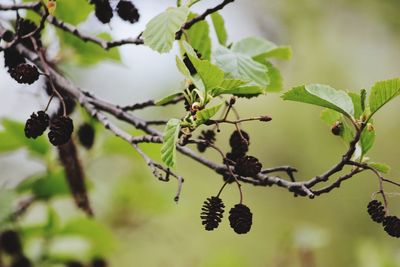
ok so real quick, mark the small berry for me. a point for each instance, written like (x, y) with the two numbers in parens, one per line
(61, 129)
(240, 218)
(103, 10)
(212, 213)
(209, 137)
(376, 210)
(337, 128)
(248, 166)
(86, 135)
(10, 242)
(36, 124)
(21, 261)
(24, 73)
(239, 142)
(99, 263)
(127, 11)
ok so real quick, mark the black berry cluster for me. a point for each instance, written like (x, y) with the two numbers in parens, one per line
(86, 135)
(209, 137)
(61, 129)
(240, 219)
(103, 10)
(212, 213)
(391, 224)
(36, 124)
(127, 11)
(24, 73)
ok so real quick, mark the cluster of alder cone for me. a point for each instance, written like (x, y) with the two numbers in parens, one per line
(390, 223)
(11, 247)
(240, 216)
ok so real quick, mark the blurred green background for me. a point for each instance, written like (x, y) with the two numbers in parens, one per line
(348, 44)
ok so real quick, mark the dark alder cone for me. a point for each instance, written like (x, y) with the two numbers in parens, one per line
(127, 11)
(376, 211)
(99, 263)
(12, 58)
(337, 128)
(74, 264)
(392, 226)
(10, 242)
(36, 124)
(61, 129)
(212, 213)
(103, 10)
(239, 142)
(21, 261)
(7, 36)
(248, 166)
(25, 27)
(86, 135)
(234, 156)
(24, 73)
(240, 218)
(208, 136)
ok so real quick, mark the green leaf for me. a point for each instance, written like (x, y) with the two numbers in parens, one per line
(367, 140)
(46, 186)
(356, 99)
(211, 75)
(86, 54)
(160, 32)
(243, 67)
(167, 99)
(380, 167)
(101, 239)
(15, 134)
(6, 205)
(73, 12)
(382, 92)
(275, 78)
(256, 47)
(182, 67)
(168, 150)
(204, 115)
(199, 37)
(322, 95)
(219, 26)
